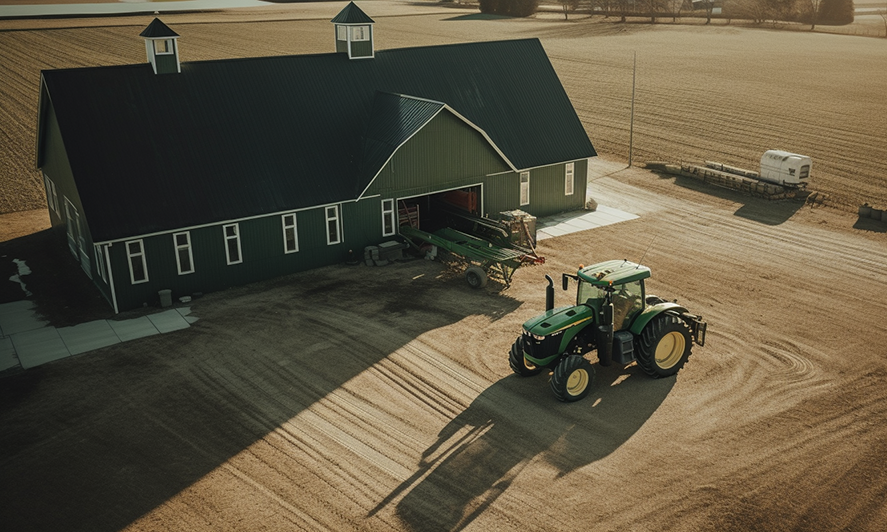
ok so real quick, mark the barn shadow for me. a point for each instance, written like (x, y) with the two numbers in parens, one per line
(97, 441)
(480, 453)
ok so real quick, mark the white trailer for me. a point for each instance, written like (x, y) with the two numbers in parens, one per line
(784, 168)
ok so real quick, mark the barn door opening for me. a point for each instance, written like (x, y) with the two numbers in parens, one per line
(438, 210)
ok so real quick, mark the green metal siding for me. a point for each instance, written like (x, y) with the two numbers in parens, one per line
(362, 48)
(447, 153)
(262, 252)
(54, 163)
(167, 63)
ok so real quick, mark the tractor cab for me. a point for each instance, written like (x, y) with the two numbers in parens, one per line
(618, 282)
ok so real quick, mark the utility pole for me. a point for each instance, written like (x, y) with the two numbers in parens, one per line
(631, 124)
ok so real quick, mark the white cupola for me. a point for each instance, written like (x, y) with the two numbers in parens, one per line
(354, 33)
(161, 44)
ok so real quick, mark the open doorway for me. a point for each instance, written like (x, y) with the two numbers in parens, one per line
(438, 210)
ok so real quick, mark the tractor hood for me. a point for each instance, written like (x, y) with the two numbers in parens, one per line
(559, 319)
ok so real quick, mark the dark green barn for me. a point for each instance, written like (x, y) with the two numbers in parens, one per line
(197, 176)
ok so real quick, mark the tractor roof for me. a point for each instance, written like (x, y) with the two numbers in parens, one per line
(614, 272)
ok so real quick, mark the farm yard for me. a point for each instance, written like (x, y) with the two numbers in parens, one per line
(349, 398)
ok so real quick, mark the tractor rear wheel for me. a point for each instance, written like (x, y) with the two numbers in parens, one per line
(519, 363)
(572, 378)
(476, 276)
(663, 347)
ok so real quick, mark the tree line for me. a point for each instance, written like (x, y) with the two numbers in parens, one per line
(813, 12)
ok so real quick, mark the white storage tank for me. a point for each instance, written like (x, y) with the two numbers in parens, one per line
(785, 168)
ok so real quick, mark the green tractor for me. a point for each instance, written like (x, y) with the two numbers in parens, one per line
(614, 315)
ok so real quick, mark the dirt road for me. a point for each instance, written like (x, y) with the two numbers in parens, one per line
(356, 398)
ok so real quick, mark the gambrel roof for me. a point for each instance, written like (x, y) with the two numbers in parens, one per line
(230, 139)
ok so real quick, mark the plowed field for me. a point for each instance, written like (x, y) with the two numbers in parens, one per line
(355, 398)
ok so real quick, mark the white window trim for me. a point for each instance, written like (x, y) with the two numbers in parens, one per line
(170, 46)
(388, 212)
(236, 237)
(69, 226)
(334, 209)
(569, 174)
(360, 33)
(130, 256)
(342, 33)
(179, 247)
(290, 227)
(524, 189)
(52, 195)
(100, 263)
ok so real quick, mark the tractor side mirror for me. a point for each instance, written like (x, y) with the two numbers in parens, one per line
(565, 281)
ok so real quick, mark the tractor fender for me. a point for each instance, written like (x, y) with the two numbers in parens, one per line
(651, 312)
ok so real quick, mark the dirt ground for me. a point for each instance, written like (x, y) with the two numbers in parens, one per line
(357, 398)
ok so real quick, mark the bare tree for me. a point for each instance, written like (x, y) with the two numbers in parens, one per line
(675, 7)
(810, 11)
(569, 6)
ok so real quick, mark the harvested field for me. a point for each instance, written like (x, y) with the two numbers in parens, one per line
(718, 92)
(355, 398)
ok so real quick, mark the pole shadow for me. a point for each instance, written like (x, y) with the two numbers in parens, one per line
(479, 454)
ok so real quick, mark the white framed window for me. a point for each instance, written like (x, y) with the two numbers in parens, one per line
(163, 46)
(388, 225)
(232, 243)
(525, 188)
(333, 225)
(184, 255)
(70, 225)
(52, 196)
(360, 33)
(138, 267)
(568, 179)
(100, 262)
(342, 33)
(290, 233)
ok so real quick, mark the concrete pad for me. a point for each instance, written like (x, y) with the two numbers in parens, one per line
(8, 359)
(88, 336)
(133, 329)
(185, 311)
(19, 316)
(39, 347)
(562, 225)
(168, 321)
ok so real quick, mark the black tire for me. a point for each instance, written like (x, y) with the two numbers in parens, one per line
(572, 378)
(664, 346)
(476, 276)
(519, 364)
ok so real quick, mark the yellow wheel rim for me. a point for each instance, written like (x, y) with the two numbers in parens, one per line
(577, 382)
(670, 349)
(530, 366)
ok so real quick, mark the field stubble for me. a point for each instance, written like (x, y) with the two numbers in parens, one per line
(703, 93)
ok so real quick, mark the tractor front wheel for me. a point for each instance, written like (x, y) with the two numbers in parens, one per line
(572, 378)
(519, 363)
(663, 347)
(476, 277)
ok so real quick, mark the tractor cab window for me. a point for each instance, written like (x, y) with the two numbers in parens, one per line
(589, 294)
(628, 301)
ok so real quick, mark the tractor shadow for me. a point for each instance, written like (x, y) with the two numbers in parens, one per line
(514, 422)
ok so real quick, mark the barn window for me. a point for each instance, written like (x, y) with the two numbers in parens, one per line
(342, 33)
(52, 196)
(184, 255)
(163, 46)
(232, 243)
(290, 234)
(525, 188)
(568, 179)
(333, 225)
(100, 262)
(360, 33)
(388, 217)
(138, 269)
